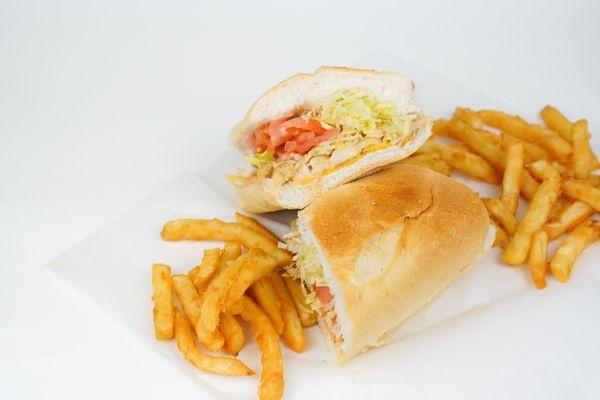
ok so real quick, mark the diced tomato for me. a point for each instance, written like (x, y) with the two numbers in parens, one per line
(323, 294)
(289, 135)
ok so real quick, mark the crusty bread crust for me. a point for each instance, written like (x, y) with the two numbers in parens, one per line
(390, 243)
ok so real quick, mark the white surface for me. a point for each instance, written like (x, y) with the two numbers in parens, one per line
(101, 102)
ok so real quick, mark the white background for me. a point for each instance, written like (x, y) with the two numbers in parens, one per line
(101, 101)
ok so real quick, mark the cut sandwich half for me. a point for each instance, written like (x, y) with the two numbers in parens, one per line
(372, 253)
(311, 133)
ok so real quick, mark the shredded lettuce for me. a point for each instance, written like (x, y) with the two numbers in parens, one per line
(354, 111)
(306, 267)
(260, 159)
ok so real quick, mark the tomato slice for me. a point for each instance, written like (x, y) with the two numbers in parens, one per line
(289, 135)
(323, 294)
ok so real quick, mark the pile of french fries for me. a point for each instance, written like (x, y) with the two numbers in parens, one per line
(550, 166)
(243, 280)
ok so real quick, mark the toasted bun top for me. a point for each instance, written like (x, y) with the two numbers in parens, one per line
(307, 91)
(389, 243)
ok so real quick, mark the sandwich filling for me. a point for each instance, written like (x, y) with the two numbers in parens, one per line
(308, 269)
(310, 143)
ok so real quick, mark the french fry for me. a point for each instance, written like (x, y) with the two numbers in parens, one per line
(217, 365)
(430, 160)
(163, 313)
(492, 153)
(202, 229)
(308, 317)
(571, 216)
(512, 177)
(217, 291)
(267, 298)
(533, 152)
(501, 214)
(191, 302)
(477, 141)
(582, 191)
(293, 335)
(502, 237)
(205, 271)
(558, 147)
(465, 161)
(440, 166)
(541, 168)
(469, 117)
(251, 223)
(561, 204)
(539, 208)
(593, 180)
(233, 333)
(247, 275)
(538, 258)
(582, 236)
(271, 378)
(230, 252)
(440, 127)
(557, 122)
(582, 156)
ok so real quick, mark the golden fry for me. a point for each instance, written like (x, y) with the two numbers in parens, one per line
(502, 237)
(252, 223)
(191, 302)
(205, 271)
(217, 365)
(538, 258)
(465, 161)
(476, 140)
(308, 317)
(562, 262)
(561, 204)
(541, 169)
(582, 191)
(533, 152)
(582, 155)
(501, 214)
(217, 291)
(558, 147)
(431, 160)
(557, 122)
(250, 272)
(202, 229)
(440, 127)
(512, 177)
(539, 208)
(163, 313)
(293, 335)
(571, 216)
(271, 378)
(267, 298)
(469, 117)
(233, 333)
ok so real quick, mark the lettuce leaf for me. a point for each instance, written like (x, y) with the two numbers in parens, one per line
(260, 159)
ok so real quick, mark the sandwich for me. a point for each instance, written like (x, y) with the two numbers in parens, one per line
(313, 132)
(373, 252)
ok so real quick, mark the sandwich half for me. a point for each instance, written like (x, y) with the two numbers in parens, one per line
(372, 253)
(313, 132)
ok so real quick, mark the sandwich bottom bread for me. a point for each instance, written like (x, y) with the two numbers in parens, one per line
(374, 252)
